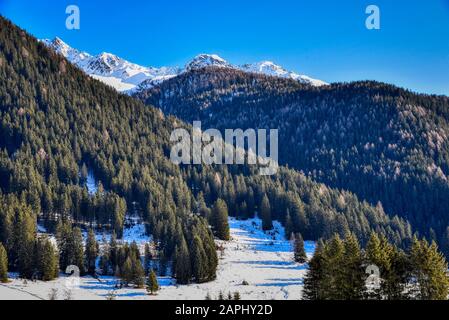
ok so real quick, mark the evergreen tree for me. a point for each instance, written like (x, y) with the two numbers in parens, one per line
(299, 250)
(334, 279)
(220, 220)
(47, 259)
(126, 273)
(265, 214)
(353, 286)
(199, 260)
(182, 265)
(152, 283)
(24, 240)
(91, 252)
(3, 264)
(313, 281)
(430, 269)
(148, 257)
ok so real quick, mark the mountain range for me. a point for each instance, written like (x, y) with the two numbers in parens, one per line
(129, 77)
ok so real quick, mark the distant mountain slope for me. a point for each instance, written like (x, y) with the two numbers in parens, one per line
(383, 143)
(129, 77)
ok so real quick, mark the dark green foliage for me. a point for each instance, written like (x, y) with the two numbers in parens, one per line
(220, 220)
(299, 250)
(129, 265)
(3, 264)
(152, 283)
(47, 259)
(91, 252)
(182, 263)
(71, 247)
(429, 268)
(265, 214)
(337, 271)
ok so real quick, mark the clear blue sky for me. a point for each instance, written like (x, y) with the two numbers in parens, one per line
(326, 39)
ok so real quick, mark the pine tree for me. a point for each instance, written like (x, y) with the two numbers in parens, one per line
(237, 295)
(78, 250)
(265, 214)
(313, 281)
(3, 264)
(47, 259)
(138, 273)
(24, 241)
(182, 268)
(353, 286)
(152, 283)
(147, 257)
(300, 252)
(430, 269)
(91, 252)
(126, 272)
(220, 220)
(334, 279)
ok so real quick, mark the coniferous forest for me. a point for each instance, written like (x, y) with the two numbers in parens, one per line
(57, 124)
(385, 144)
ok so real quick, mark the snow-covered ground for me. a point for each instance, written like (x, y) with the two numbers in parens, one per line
(263, 260)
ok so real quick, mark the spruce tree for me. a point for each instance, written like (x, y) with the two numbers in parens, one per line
(265, 214)
(147, 258)
(78, 250)
(3, 264)
(313, 281)
(47, 259)
(430, 269)
(126, 272)
(91, 252)
(334, 279)
(299, 250)
(182, 267)
(220, 220)
(152, 283)
(353, 286)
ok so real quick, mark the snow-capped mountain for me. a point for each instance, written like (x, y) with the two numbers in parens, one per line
(129, 77)
(207, 60)
(271, 69)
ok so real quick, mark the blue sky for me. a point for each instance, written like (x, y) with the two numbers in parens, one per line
(325, 39)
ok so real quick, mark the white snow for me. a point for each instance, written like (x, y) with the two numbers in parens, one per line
(264, 260)
(91, 183)
(271, 69)
(129, 77)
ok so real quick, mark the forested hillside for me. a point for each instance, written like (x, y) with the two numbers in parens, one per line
(57, 123)
(381, 142)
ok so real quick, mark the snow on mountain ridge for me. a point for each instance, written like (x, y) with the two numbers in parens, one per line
(129, 77)
(207, 60)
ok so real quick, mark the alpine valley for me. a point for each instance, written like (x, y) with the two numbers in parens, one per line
(87, 184)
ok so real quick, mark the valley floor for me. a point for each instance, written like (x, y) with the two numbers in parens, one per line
(263, 260)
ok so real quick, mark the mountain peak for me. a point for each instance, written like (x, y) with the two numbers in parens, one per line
(271, 69)
(207, 60)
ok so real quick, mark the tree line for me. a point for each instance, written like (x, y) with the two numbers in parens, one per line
(343, 270)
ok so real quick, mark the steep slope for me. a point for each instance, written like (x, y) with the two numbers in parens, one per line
(382, 142)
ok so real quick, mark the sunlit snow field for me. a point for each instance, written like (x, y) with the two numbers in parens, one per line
(263, 260)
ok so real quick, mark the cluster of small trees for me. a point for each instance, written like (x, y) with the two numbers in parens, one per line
(31, 256)
(338, 271)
